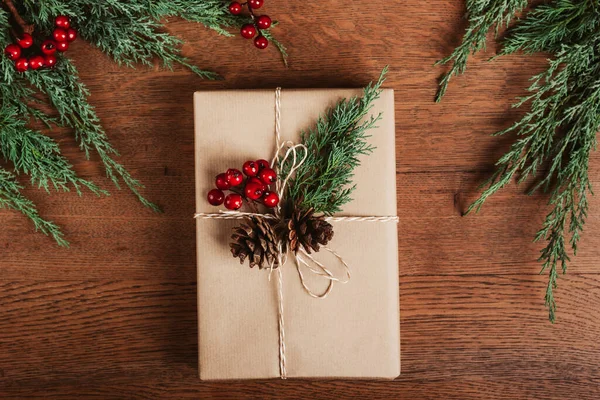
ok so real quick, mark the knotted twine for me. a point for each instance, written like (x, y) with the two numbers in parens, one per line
(302, 258)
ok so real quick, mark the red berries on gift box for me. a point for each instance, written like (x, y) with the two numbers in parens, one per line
(253, 30)
(250, 168)
(234, 177)
(233, 201)
(263, 164)
(259, 175)
(43, 56)
(216, 197)
(254, 190)
(268, 176)
(270, 199)
(221, 182)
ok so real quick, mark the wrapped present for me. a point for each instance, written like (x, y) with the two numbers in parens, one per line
(295, 319)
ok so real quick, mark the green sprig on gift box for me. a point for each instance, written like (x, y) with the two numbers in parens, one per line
(131, 32)
(323, 182)
(555, 137)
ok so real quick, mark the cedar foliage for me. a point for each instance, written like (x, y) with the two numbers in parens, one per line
(553, 140)
(131, 32)
(334, 145)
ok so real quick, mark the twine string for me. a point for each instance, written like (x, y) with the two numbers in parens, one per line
(302, 258)
(246, 215)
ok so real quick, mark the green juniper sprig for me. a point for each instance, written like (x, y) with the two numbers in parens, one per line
(483, 15)
(324, 181)
(131, 32)
(11, 197)
(557, 134)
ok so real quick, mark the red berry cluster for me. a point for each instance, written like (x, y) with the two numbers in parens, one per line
(62, 35)
(259, 22)
(255, 188)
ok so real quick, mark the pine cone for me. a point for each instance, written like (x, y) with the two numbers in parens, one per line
(308, 230)
(256, 240)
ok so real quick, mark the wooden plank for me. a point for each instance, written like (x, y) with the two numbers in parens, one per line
(480, 326)
(115, 235)
(190, 388)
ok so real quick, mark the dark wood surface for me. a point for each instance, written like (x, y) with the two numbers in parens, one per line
(114, 316)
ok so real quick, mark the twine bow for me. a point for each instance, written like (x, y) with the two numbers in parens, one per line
(302, 259)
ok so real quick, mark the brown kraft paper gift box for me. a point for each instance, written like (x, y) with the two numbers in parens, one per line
(352, 333)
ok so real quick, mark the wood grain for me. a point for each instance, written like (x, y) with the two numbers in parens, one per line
(114, 316)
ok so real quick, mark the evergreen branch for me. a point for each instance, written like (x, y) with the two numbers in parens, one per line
(550, 26)
(483, 16)
(38, 156)
(211, 13)
(69, 96)
(11, 197)
(558, 132)
(135, 40)
(324, 181)
(282, 49)
(131, 32)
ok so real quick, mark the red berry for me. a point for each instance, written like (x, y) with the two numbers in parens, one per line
(62, 46)
(253, 190)
(264, 22)
(235, 8)
(262, 164)
(49, 47)
(233, 201)
(60, 35)
(234, 177)
(71, 35)
(255, 4)
(62, 22)
(12, 51)
(268, 176)
(250, 168)
(215, 197)
(22, 64)
(270, 199)
(25, 41)
(49, 61)
(248, 31)
(36, 62)
(261, 42)
(257, 181)
(222, 182)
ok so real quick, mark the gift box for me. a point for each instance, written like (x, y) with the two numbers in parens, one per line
(354, 332)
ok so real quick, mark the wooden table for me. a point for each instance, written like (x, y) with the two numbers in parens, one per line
(114, 316)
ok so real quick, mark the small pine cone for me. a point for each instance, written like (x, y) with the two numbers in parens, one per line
(257, 241)
(308, 230)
